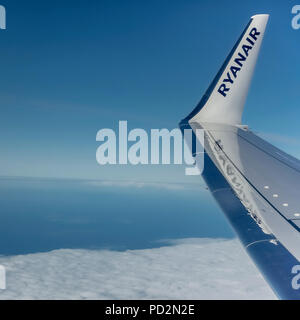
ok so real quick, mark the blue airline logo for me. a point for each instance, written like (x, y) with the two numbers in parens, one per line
(239, 60)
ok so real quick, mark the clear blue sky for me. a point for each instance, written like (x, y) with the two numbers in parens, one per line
(70, 68)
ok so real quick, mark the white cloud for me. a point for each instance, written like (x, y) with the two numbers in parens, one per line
(142, 184)
(188, 269)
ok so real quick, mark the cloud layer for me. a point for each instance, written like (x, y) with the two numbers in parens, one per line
(141, 184)
(186, 269)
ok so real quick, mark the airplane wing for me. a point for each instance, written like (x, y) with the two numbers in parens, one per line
(256, 184)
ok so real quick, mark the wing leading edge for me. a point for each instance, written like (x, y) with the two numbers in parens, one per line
(255, 183)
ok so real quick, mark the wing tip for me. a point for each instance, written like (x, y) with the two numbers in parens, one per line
(262, 15)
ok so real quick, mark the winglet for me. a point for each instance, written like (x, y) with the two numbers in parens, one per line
(224, 100)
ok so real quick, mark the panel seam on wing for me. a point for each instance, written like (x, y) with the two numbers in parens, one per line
(258, 241)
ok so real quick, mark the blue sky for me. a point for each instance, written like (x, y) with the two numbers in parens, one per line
(69, 70)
